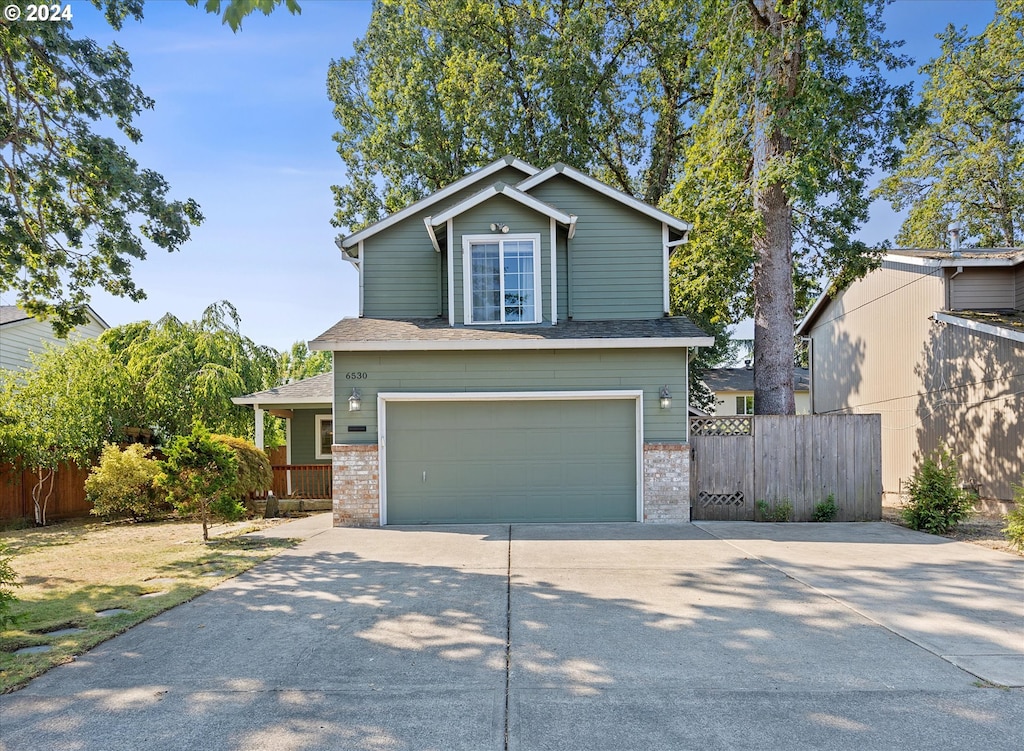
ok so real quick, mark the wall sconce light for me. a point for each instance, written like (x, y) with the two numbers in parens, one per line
(665, 396)
(499, 227)
(355, 402)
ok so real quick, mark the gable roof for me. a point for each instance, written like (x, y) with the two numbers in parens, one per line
(933, 259)
(14, 314)
(606, 190)
(742, 379)
(449, 190)
(318, 389)
(503, 189)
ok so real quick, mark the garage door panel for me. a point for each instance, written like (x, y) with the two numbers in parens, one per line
(511, 461)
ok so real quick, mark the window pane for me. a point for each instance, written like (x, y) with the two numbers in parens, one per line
(486, 283)
(519, 292)
(326, 436)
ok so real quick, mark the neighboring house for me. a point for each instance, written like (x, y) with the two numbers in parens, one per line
(934, 342)
(514, 359)
(21, 335)
(733, 389)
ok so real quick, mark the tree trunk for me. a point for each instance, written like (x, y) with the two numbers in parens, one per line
(773, 242)
(206, 533)
(39, 502)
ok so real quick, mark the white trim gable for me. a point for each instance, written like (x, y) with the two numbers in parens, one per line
(1003, 332)
(606, 190)
(440, 195)
(504, 190)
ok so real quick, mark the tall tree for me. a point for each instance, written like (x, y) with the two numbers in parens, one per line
(965, 162)
(438, 88)
(75, 208)
(777, 169)
(299, 363)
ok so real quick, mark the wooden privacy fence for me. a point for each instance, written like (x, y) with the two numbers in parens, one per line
(68, 498)
(737, 461)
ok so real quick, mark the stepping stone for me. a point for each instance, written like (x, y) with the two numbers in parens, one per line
(64, 632)
(33, 650)
(214, 573)
(154, 594)
(111, 612)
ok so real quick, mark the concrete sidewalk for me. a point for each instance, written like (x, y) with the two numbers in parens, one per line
(618, 636)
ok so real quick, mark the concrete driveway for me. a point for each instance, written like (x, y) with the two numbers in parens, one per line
(711, 636)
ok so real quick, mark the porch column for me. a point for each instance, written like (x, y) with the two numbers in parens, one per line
(259, 426)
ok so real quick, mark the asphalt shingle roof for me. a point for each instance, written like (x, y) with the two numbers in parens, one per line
(378, 333)
(742, 379)
(12, 313)
(318, 388)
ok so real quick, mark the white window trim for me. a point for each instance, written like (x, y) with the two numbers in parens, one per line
(467, 277)
(637, 395)
(318, 420)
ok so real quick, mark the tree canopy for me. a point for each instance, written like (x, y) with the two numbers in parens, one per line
(298, 363)
(965, 160)
(437, 88)
(75, 207)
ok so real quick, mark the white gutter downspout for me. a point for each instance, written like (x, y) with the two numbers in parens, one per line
(949, 287)
(430, 231)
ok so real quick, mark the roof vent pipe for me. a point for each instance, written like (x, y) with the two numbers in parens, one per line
(953, 230)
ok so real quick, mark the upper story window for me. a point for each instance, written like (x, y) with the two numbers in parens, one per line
(502, 279)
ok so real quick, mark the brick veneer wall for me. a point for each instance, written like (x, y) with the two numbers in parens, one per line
(666, 482)
(355, 486)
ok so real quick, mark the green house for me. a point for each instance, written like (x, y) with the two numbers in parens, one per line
(514, 360)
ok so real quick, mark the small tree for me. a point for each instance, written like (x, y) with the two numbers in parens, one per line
(1014, 529)
(124, 483)
(8, 580)
(254, 471)
(937, 503)
(199, 475)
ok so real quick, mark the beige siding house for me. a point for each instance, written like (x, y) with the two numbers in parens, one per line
(22, 336)
(934, 342)
(734, 390)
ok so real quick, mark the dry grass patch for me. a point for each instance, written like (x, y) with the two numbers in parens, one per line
(71, 571)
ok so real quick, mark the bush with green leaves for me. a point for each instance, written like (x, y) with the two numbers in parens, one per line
(199, 475)
(254, 472)
(8, 581)
(779, 512)
(936, 501)
(827, 510)
(1014, 529)
(123, 484)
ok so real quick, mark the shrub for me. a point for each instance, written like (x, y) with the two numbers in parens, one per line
(1014, 529)
(123, 484)
(199, 475)
(826, 510)
(254, 472)
(936, 503)
(8, 581)
(780, 512)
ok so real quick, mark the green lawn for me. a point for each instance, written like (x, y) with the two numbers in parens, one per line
(71, 571)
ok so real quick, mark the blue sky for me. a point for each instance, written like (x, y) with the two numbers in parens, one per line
(243, 125)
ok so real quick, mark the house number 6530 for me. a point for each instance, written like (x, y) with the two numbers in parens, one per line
(355, 376)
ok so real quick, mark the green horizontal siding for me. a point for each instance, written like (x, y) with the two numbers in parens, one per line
(400, 274)
(304, 435)
(616, 254)
(520, 220)
(544, 370)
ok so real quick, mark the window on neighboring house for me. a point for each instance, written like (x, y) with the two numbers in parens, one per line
(324, 436)
(744, 405)
(503, 277)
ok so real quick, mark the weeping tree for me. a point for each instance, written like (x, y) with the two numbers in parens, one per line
(779, 158)
(184, 372)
